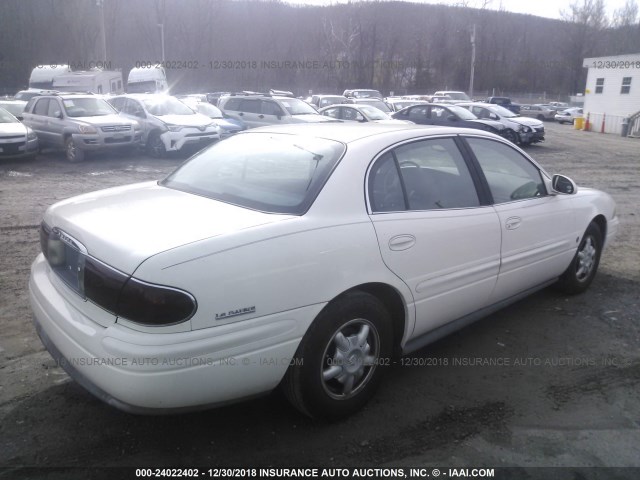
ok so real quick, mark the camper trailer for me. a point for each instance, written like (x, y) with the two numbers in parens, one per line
(42, 76)
(91, 81)
(147, 80)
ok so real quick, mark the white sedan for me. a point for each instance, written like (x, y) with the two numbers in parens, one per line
(305, 257)
(359, 113)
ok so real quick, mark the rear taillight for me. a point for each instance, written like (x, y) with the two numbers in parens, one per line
(150, 304)
(124, 296)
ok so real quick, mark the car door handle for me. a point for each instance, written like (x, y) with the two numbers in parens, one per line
(241, 114)
(402, 242)
(512, 223)
(260, 116)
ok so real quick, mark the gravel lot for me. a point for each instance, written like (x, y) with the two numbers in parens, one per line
(566, 393)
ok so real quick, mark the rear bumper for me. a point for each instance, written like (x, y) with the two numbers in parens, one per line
(154, 373)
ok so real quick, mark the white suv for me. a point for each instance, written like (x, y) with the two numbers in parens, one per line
(261, 110)
(168, 125)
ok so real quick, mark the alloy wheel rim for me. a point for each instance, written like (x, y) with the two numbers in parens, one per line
(350, 359)
(586, 259)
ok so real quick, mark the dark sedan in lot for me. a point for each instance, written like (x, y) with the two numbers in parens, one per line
(449, 116)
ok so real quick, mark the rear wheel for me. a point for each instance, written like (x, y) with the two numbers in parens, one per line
(340, 361)
(72, 152)
(540, 117)
(583, 267)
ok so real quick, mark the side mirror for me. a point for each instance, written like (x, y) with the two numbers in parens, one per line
(452, 118)
(493, 116)
(563, 185)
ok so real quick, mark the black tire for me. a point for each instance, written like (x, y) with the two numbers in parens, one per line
(319, 379)
(511, 136)
(540, 117)
(155, 147)
(582, 270)
(72, 152)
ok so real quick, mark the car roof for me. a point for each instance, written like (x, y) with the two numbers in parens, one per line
(351, 132)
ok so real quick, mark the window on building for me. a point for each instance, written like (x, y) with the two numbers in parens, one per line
(599, 85)
(626, 85)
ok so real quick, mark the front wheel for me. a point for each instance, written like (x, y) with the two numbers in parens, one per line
(72, 152)
(511, 136)
(583, 267)
(341, 359)
(155, 146)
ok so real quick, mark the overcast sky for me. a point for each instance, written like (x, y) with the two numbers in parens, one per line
(542, 8)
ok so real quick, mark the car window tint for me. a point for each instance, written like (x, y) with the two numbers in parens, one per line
(271, 108)
(385, 187)
(54, 109)
(232, 104)
(435, 175)
(510, 175)
(332, 112)
(250, 106)
(42, 107)
(418, 113)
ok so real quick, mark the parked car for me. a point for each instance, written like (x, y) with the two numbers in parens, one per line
(302, 256)
(540, 112)
(320, 101)
(557, 106)
(358, 113)
(362, 93)
(168, 125)
(569, 115)
(14, 107)
(28, 94)
(448, 115)
(518, 129)
(79, 123)
(374, 102)
(398, 103)
(16, 140)
(213, 97)
(261, 110)
(454, 95)
(506, 103)
(228, 126)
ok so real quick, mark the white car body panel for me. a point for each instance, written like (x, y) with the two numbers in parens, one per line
(260, 279)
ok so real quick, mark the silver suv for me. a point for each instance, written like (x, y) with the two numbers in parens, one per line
(167, 123)
(79, 123)
(261, 110)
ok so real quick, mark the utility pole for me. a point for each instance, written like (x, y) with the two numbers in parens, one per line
(103, 35)
(161, 25)
(473, 59)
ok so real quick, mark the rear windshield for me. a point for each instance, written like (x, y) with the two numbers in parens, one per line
(275, 173)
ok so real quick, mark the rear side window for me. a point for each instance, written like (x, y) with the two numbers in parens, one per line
(250, 106)
(510, 175)
(42, 106)
(424, 175)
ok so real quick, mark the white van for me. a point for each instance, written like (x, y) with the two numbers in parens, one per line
(42, 76)
(147, 80)
(90, 81)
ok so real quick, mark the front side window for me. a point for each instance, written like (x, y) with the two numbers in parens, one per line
(510, 175)
(273, 173)
(271, 108)
(297, 107)
(42, 107)
(599, 85)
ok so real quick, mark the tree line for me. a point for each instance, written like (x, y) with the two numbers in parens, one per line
(222, 45)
